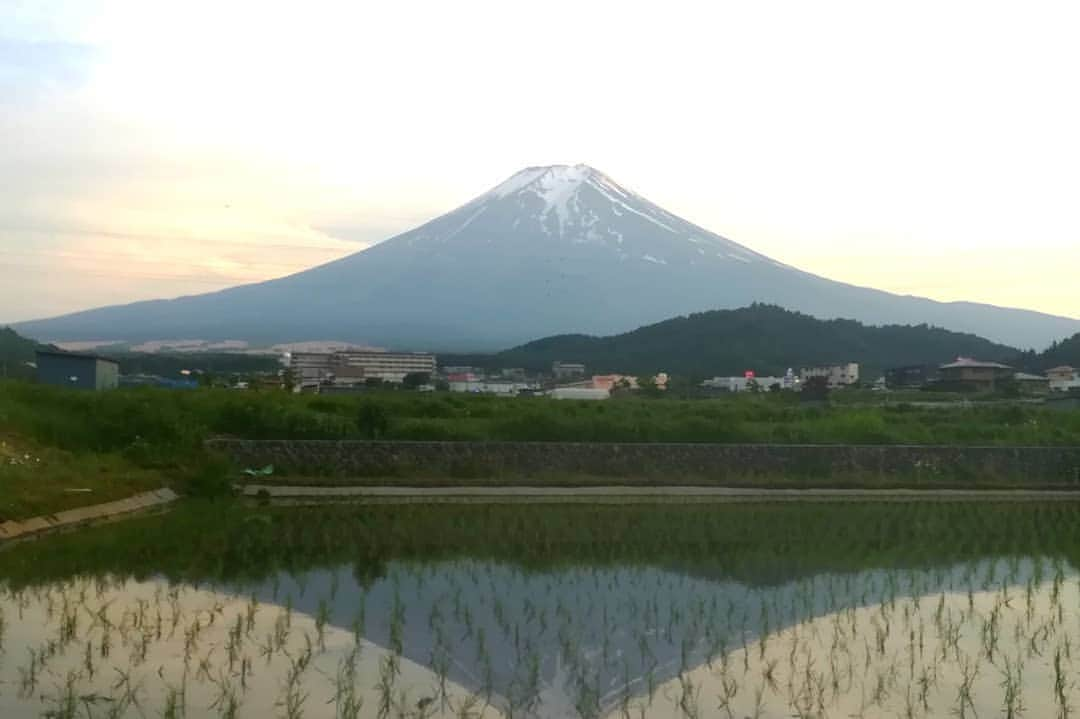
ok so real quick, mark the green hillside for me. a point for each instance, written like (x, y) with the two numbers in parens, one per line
(763, 338)
(1063, 353)
(15, 352)
(1066, 352)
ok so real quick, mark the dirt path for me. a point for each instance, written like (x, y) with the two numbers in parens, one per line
(612, 494)
(13, 531)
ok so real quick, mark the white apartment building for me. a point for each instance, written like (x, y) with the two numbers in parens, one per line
(578, 393)
(1063, 379)
(387, 366)
(842, 375)
(506, 388)
(567, 370)
(311, 369)
(745, 384)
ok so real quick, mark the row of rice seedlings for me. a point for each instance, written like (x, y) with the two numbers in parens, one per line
(882, 653)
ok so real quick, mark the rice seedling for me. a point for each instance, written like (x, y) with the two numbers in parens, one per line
(646, 628)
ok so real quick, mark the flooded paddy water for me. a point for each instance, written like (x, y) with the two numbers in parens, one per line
(905, 610)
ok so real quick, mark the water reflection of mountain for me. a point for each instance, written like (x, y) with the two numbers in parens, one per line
(568, 607)
(553, 643)
(759, 545)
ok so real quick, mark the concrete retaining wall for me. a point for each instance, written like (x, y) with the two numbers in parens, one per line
(13, 531)
(709, 462)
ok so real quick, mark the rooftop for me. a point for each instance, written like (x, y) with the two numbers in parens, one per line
(967, 362)
(75, 355)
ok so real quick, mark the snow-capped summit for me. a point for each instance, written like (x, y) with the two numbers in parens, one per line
(583, 206)
(550, 250)
(542, 178)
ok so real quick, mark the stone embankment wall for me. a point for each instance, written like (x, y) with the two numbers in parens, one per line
(16, 530)
(711, 463)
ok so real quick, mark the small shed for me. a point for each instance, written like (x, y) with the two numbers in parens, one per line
(1032, 383)
(81, 371)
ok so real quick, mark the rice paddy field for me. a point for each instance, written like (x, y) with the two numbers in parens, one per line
(698, 610)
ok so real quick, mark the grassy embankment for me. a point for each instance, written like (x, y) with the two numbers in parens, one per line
(129, 440)
(38, 479)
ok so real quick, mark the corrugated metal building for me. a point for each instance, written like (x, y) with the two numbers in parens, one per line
(82, 371)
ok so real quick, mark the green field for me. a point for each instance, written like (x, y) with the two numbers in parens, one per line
(131, 439)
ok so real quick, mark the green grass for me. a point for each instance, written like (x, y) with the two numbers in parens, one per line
(133, 439)
(36, 479)
(160, 427)
(910, 396)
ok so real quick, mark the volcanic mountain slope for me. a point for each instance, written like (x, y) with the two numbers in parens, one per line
(552, 250)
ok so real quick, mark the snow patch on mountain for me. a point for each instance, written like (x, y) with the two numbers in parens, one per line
(465, 224)
(601, 187)
(518, 262)
(559, 188)
(518, 181)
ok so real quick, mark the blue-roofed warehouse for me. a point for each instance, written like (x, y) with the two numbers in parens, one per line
(82, 371)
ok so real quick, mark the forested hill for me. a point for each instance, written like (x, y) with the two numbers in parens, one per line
(764, 338)
(1064, 353)
(15, 352)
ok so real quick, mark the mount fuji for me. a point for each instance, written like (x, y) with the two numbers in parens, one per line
(559, 249)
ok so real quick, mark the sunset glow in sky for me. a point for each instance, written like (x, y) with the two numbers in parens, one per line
(158, 149)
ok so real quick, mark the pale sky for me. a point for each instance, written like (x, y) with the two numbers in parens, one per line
(154, 149)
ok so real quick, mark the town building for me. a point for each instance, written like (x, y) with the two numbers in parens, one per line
(614, 381)
(310, 369)
(578, 393)
(1032, 383)
(1063, 379)
(748, 383)
(82, 371)
(567, 370)
(453, 377)
(910, 377)
(841, 375)
(502, 387)
(153, 380)
(459, 370)
(357, 367)
(391, 367)
(971, 374)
